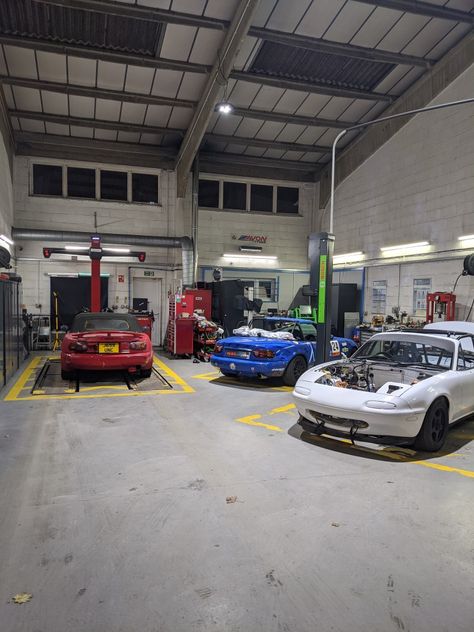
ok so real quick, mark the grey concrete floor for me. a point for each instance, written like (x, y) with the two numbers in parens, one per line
(113, 515)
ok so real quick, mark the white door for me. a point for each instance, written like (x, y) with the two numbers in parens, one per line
(150, 288)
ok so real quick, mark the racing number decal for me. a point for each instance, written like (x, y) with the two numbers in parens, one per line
(335, 349)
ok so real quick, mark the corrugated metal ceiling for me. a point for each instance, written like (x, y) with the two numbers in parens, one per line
(280, 60)
(73, 26)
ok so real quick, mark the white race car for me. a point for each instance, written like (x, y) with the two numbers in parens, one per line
(400, 387)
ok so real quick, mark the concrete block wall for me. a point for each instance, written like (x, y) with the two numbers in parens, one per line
(6, 192)
(419, 186)
(287, 236)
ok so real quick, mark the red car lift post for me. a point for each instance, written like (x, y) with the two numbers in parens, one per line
(95, 253)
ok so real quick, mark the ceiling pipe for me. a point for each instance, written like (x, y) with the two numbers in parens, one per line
(185, 243)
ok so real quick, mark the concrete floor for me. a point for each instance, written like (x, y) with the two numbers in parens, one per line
(113, 514)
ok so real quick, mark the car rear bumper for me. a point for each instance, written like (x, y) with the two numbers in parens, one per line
(249, 368)
(105, 361)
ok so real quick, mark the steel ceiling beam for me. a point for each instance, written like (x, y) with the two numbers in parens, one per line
(135, 11)
(103, 54)
(424, 8)
(117, 95)
(336, 48)
(218, 77)
(95, 93)
(266, 144)
(220, 158)
(294, 119)
(94, 123)
(301, 86)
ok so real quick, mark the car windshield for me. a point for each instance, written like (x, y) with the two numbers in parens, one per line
(278, 325)
(106, 322)
(406, 352)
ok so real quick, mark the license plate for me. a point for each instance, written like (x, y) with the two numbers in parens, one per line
(109, 347)
(335, 349)
(231, 353)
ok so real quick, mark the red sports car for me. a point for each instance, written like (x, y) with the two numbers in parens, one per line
(106, 342)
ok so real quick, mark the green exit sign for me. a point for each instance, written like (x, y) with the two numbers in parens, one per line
(149, 273)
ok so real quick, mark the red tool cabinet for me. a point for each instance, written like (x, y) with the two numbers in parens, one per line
(180, 339)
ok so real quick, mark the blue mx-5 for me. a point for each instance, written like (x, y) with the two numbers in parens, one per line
(260, 356)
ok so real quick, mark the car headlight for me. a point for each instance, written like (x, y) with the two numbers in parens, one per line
(380, 405)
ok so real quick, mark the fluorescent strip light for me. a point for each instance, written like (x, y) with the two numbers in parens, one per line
(416, 244)
(239, 256)
(462, 238)
(250, 249)
(348, 257)
(76, 248)
(7, 239)
(124, 250)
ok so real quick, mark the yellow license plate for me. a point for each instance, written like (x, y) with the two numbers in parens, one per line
(109, 347)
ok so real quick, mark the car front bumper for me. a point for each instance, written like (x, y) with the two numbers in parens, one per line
(106, 361)
(344, 413)
(249, 368)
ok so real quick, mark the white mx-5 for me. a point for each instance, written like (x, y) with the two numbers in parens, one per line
(403, 387)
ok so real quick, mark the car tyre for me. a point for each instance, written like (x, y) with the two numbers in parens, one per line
(435, 426)
(145, 373)
(295, 370)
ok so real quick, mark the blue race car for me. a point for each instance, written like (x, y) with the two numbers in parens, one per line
(260, 356)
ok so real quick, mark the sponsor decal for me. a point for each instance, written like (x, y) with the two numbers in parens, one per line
(256, 239)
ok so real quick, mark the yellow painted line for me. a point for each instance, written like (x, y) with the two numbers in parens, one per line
(283, 389)
(23, 379)
(85, 389)
(282, 409)
(445, 468)
(169, 372)
(207, 376)
(35, 398)
(250, 421)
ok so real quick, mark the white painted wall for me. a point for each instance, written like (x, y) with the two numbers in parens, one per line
(6, 193)
(418, 186)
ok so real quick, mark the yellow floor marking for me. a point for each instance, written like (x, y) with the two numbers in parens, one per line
(170, 373)
(283, 389)
(29, 373)
(207, 376)
(445, 468)
(85, 389)
(250, 421)
(23, 379)
(282, 409)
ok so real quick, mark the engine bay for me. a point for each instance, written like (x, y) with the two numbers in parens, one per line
(373, 377)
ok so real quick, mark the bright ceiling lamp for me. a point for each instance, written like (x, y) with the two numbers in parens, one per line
(414, 248)
(467, 238)
(229, 255)
(76, 248)
(119, 250)
(7, 240)
(348, 257)
(224, 107)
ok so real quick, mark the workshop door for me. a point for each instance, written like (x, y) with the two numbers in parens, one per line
(150, 289)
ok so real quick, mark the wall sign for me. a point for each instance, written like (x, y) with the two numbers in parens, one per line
(149, 273)
(121, 278)
(256, 239)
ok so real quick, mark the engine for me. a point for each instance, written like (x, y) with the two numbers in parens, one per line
(372, 377)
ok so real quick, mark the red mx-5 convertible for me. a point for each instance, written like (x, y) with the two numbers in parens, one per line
(106, 342)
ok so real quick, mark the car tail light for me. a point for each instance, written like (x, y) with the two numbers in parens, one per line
(78, 346)
(218, 348)
(138, 345)
(263, 353)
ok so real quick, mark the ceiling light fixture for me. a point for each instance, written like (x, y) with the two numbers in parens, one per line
(462, 238)
(348, 257)
(76, 248)
(124, 250)
(229, 255)
(416, 244)
(224, 107)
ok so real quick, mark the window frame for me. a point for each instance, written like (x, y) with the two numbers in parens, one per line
(98, 169)
(221, 179)
(462, 356)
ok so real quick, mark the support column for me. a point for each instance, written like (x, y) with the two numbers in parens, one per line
(321, 248)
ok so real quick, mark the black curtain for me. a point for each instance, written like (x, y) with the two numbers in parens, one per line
(73, 295)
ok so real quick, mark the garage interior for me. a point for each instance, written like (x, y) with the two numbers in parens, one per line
(175, 160)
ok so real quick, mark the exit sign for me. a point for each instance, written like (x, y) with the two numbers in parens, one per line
(149, 273)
